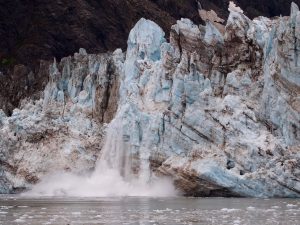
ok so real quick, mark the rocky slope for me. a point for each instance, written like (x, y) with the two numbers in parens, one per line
(31, 31)
(217, 108)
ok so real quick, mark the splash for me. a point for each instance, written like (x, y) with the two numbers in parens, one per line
(115, 174)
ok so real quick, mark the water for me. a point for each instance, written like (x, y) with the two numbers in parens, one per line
(149, 211)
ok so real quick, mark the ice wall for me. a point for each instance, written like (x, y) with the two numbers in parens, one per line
(216, 109)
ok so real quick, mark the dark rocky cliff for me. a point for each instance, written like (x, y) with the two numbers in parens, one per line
(34, 30)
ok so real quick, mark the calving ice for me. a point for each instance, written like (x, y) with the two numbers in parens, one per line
(115, 174)
(214, 112)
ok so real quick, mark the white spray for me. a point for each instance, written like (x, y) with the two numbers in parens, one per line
(114, 174)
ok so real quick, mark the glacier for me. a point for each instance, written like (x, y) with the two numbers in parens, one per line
(216, 109)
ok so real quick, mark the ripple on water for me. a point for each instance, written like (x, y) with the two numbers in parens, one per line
(173, 211)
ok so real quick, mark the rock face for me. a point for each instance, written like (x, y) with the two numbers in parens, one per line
(31, 31)
(216, 110)
(37, 30)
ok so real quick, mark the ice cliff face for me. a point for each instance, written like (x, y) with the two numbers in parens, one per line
(217, 108)
(63, 131)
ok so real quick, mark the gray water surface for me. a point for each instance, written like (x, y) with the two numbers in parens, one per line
(173, 211)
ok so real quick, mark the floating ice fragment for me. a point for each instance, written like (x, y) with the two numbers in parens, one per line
(236, 222)
(229, 210)
(19, 221)
(270, 210)
(291, 205)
